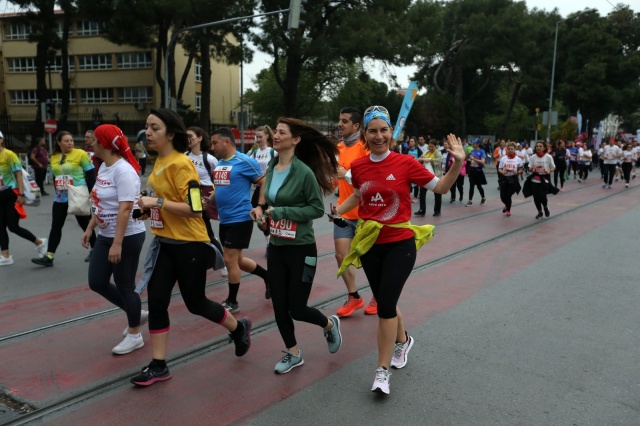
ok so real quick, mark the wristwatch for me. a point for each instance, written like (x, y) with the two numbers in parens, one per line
(160, 202)
(264, 207)
(22, 195)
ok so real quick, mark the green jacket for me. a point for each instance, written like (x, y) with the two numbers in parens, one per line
(299, 200)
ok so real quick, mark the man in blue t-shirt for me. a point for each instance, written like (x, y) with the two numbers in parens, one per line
(232, 180)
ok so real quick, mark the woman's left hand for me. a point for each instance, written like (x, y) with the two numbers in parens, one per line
(115, 253)
(455, 147)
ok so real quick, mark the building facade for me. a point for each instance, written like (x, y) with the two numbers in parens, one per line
(109, 83)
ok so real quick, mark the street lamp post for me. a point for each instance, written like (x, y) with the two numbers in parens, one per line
(553, 75)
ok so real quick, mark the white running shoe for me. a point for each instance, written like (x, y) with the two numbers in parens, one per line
(381, 382)
(130, 343)
(225, 272)
(144, 318)
(42, 248)
(399, 358)
(5, 261)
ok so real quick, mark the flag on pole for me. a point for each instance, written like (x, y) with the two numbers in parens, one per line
(579, 116)
(407, 103)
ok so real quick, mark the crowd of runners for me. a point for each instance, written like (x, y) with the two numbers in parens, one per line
(277, 187)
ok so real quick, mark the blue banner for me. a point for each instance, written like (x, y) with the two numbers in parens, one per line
(407, 103)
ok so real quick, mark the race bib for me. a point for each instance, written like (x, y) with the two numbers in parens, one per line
(62, 182)
(222, 175)
(510, 168)
(156, 218)
(283, 228)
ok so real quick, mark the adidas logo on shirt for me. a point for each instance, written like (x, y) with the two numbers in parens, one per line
(391, 177)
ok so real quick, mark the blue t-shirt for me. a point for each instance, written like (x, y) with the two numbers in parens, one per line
(574, 153)
(233, 178)
(276, 181)
(480, 155)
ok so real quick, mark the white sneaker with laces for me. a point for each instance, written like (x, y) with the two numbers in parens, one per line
(381, 382)
(144, 318)
(130, 343)
(399, 358)
(5, 261)
(225, 272)
(42, 248)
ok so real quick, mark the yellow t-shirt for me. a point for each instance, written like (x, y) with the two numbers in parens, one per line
(170, 180)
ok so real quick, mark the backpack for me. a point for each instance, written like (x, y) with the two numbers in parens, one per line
(206, 162)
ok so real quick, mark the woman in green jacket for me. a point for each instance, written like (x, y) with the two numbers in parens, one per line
(295, 182)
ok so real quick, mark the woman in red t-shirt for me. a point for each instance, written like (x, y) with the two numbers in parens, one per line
(380, 182)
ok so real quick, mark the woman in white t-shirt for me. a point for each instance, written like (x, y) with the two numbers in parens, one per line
(584, 161)
(263, 155)
(120, 237)
(509, 168)
(205, 163)
(541, 165)
(628, 160)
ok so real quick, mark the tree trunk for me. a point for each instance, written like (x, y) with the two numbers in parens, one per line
(502, 132)
(205, 94)
(290, 85)
(161, 47)
(185, 75)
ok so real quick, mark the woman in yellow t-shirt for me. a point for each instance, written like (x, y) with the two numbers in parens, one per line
(70, 166)
(181, 249)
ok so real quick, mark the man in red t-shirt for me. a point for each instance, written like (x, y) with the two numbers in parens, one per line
(351, 148)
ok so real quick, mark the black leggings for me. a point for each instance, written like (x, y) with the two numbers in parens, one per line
(387, 267)
(584, 171)
(122, 294)
(539, 191)
(560, 171)
(473, 183)
(609, 173)
(291, 269)
(59, 213)
(423, 201)
(506, 192)
(9, 219)
(40, 176)
(460, 186)
(187, 264)
(626, 170)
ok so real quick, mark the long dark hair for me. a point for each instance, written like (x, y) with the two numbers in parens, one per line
(175, 125)
(315, 150)
(205, 142)
(59, 136)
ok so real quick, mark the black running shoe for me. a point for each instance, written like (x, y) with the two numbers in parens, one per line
(43, 261)
(150, 375)
(243, 342)
(539, 215)
(547, 213)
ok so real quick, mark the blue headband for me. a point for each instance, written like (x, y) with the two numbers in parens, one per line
(373, 115)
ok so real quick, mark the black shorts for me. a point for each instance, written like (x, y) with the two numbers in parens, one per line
(236, 235)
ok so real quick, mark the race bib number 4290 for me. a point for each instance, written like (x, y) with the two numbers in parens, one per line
(222, 175)
(283, 228)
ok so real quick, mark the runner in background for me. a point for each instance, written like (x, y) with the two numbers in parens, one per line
(541, 167)
(263, 155)
(39, 161)
(475, 171)
(559, 154)
(509, 168)
(628, 160)
(88, 147)
(351, 147)
(584, 161)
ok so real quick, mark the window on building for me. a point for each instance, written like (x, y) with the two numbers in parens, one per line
(17, 31)
(21, 64)
(23, 97)
(57, 96)
(135, 94)
(88, 28)
(57, 64)
(96, 96)
(198, 102)
(134, 60)
(60, 27)
(198, 71)
(94, 62)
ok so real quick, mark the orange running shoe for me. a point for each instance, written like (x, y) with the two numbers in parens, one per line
(350, 306)
(372, 308)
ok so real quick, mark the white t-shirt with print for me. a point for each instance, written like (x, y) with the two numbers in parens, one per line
(585, 155)
(263, 156)
(115, 184)
(611, 154)
(541, 165)
(198, 163)
(510, 165)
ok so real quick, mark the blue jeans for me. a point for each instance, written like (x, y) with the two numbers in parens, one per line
(122, 293)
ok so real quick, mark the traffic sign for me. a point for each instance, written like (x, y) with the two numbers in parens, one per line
(50, 126)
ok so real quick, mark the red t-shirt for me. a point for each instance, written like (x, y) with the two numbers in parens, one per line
(385, 191)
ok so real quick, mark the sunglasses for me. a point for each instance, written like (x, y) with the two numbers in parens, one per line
(376, 108)
(63, 159)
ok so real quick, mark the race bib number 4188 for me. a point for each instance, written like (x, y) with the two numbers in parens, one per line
(222, 175)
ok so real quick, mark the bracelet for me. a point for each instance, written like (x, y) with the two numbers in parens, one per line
(264, 206)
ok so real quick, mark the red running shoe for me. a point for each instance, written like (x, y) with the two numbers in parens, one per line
(372, 309)
(350, 306)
